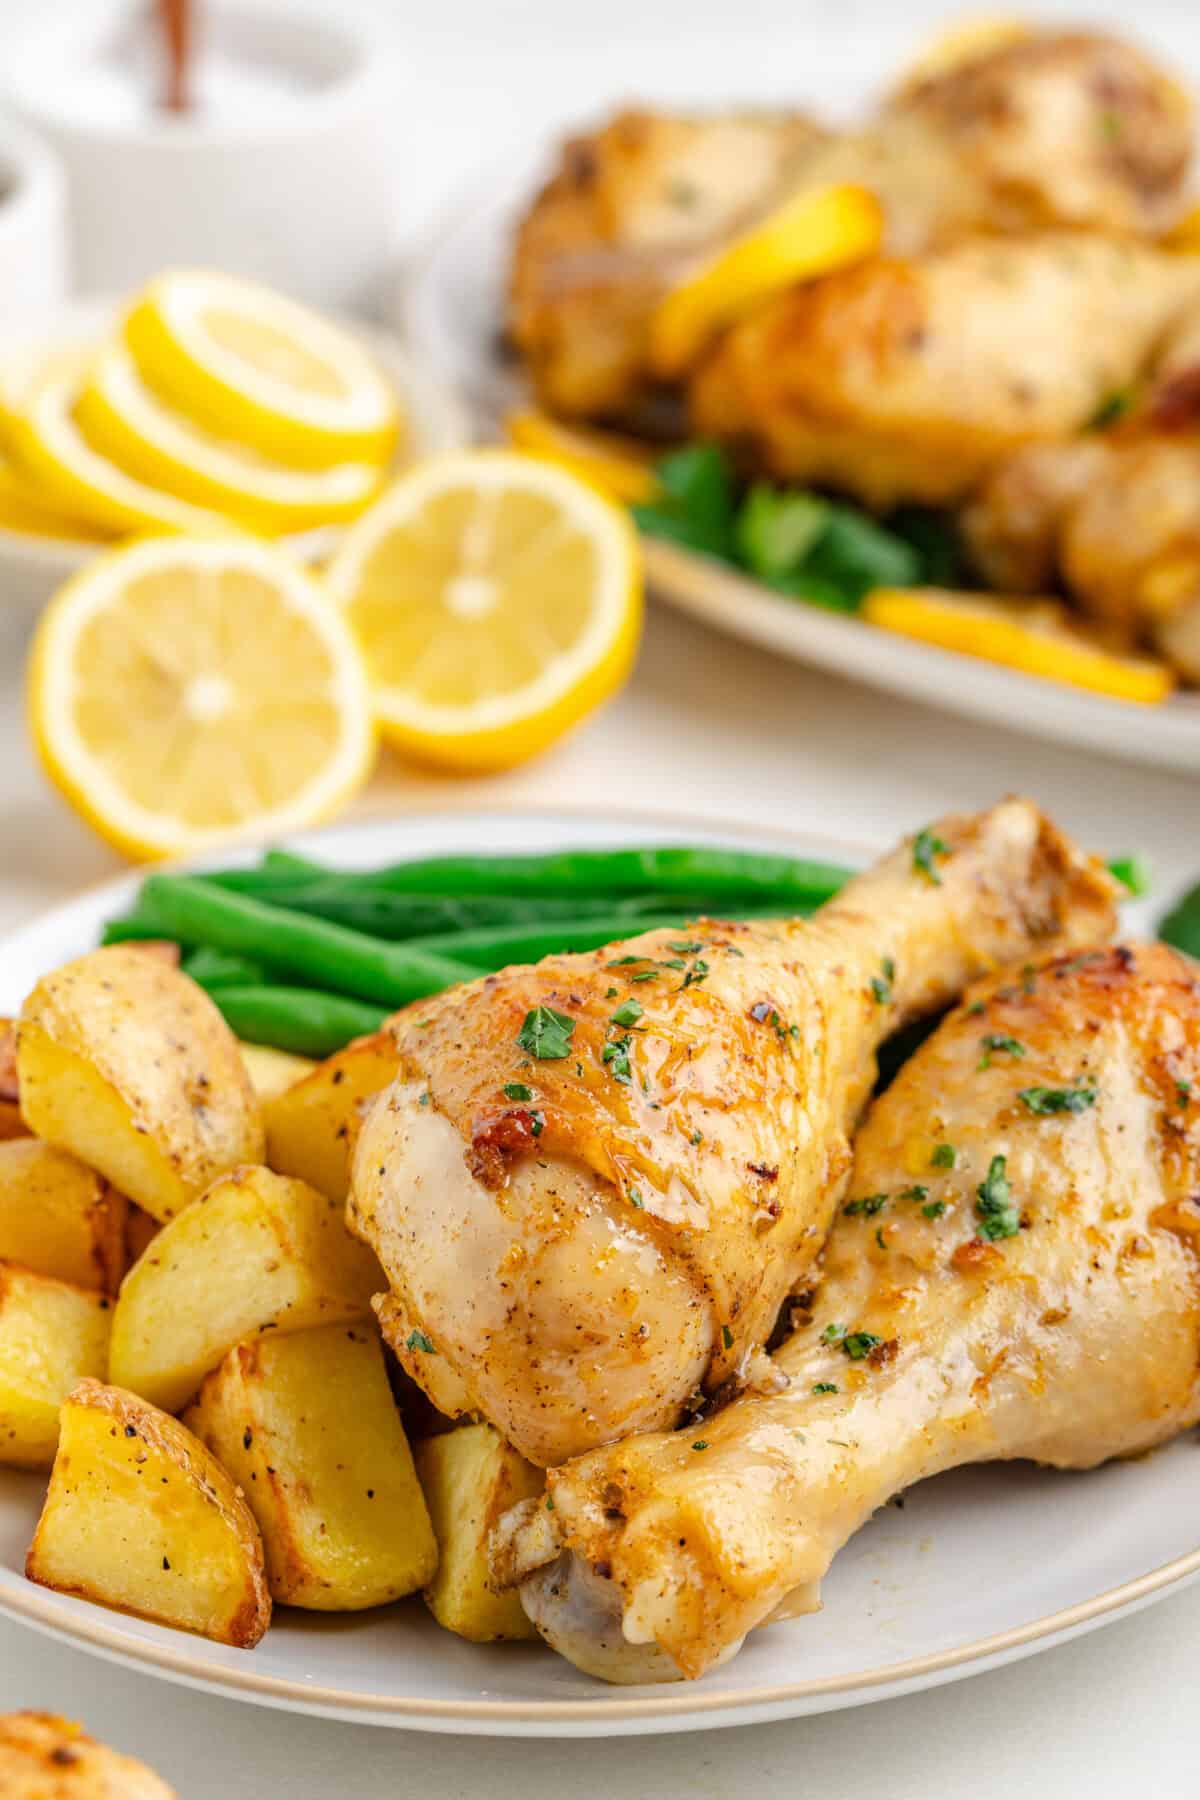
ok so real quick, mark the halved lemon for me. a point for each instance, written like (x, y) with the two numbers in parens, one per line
(820, 230)
(498, 600)
(256, 367)
(619, 468)
(49, 446)
(186, 691)
(1038, 637)
(126, 420)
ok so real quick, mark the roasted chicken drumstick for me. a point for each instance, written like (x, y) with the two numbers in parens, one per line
(1012, 1275)
(598, 1178)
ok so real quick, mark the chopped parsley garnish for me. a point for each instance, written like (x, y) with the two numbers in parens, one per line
(628, 1013)
(1183, 1093)
(635, 1199)
(926, 846)
(998, 1216)
(623, 961)
(1043, 1100)
(418, 1340)
(833, 1334)
(645, 975)
(695, 974)
(915, 1192)
(700, 1444)
(1133, 872)
(546, 1034)
(516, 1090)
(935, 1209)
(727, 1337)
(537, 1124)
(857, 1344)
(879, 1237)
(697, 1137)
(881, 984)
(865, 1208)
(944, 1157)
(825, 1387)
(683, 949)
(997, 1044)
(611, 993)
(616, 1055)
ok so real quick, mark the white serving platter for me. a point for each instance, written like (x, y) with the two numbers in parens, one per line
(976, 1569)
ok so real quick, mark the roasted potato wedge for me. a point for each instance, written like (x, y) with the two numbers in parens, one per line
(141, 1516)
(59, 1217)
(272, 1072)
(43, 1757)
(256, 1253)
(51, 1335)
(125, 1062)
(312, 1127)
(470, 1477)
(307, 1427)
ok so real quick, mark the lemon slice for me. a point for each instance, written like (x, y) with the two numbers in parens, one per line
(617, 467)
(257, 367)
(51, 449)
(127, 422)
(820, 230)
(27, 509)
(498, 600)
(185, 691)
(1038, 637)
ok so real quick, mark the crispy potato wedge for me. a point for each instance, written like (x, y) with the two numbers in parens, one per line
(43, 1757)
(470, 1477)
(51, 1335)
(59, 1217)
(307, 1427)
(312, 1127)
(127, 1063)
(256, 1253)
(273, 1072)
(141, 1516)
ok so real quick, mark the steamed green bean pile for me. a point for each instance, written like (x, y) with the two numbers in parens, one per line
(305, 957)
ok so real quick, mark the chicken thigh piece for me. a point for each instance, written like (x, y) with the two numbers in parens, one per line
(913, 378)
(597, 1179)
(1013, 1275)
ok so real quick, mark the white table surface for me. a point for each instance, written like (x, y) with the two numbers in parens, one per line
(712, 729)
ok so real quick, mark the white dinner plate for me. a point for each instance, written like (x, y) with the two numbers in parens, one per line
(451, 311)
(975, 1569)
(32, 567)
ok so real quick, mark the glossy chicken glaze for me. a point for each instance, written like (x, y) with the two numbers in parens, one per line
(912, 378)
(582, 1260)
(1071, 1336)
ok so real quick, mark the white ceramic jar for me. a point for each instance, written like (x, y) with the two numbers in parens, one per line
(283, 170)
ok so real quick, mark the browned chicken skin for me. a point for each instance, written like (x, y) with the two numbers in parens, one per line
(1065, 128)
(911, 379)
(589, 1239)
(1014, 1275)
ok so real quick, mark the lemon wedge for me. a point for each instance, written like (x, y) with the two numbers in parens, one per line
(816, 232)
(617, 467)
(498, 600)
(52, 451)
(185, 691)
(1038, 637)
(121, 417)
(256, 367)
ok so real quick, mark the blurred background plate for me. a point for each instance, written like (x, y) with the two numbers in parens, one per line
(451, 311)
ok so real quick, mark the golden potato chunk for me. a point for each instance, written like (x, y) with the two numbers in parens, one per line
(141, 1516)
(51, 1335)
(125, 1062)
(43, 1757)
(312, 1127)
(471, 1477)
(273, 1072)
(307, 1427)
(59, 1217)
(256, 1253)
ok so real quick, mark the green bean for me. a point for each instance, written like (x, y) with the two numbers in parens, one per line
(298, 1019)
(493, 947)
(309, 950)
(221, 968)
(674, 870)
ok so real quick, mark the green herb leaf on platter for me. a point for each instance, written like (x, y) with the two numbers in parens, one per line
(777, 528)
